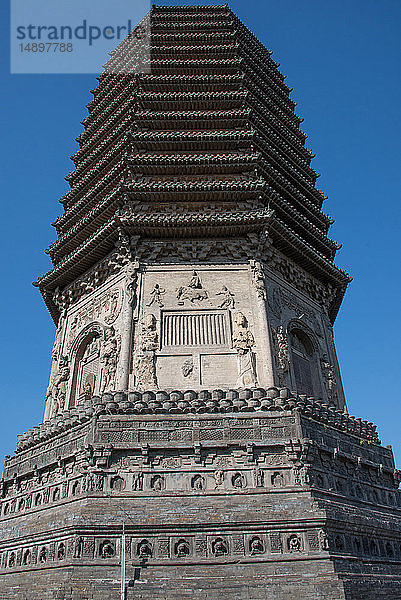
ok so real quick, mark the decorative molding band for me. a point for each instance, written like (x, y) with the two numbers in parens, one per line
(215, 401)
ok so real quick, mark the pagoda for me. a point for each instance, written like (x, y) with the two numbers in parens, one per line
(196, 440)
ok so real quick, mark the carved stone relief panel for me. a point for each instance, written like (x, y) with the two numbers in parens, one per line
(105, 307)
(288, 309)
(207, 325)
(144, 360)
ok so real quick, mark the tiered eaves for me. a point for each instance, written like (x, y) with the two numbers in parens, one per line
(204, 142)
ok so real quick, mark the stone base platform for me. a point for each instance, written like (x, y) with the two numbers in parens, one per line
(251, 494)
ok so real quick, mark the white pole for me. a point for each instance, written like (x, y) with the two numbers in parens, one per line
(123, 563)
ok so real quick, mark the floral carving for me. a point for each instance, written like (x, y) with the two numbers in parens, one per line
(187, 367)
(258, 279)
(281, 353)
(145, 368)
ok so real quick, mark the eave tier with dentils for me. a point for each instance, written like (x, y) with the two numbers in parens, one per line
(222, 103)
(217, 190)
(190, 226)
(211, 124)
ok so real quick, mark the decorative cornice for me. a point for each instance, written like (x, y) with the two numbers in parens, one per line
(190, 402)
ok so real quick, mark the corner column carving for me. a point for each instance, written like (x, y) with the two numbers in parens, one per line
(259, 284)
(130, 300)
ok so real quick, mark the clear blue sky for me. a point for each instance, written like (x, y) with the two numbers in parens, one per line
(342, 57)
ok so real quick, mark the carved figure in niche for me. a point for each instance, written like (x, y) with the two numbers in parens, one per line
(43, 555)
(55, 366)
(156, 296)
(145, 372)
(389, 550)
(108, 359)
(137, 482)
(78, 547)
(187, 367)
(338, 543)
(92, 347)
(238, 481)
(329, 377)
(107, 549)
(243, 341)
(144, 549)
(56, 390)
(90, 482)
(149, 338)
(195, 281)
(26, 557)
(145, 362)
(259, 280)
(157, 483)
(193, 291)
(256, 546)
(281, 353)
(323, 540)
(11, 560)
(56, 494)
(57, 339)
(297, 475)
(99, 482)
(219, 547)
(89, 386)
(75, 488)
(228, 298)
(260, 478)
(117, 483)
(198, 483)
(275, 304)
(294, 543)
(132, 280)
(277, 479)
(218, 478)
(113, 306)
(182, 549)
(61, 551)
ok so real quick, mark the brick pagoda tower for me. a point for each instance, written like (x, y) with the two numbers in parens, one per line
(195, 429)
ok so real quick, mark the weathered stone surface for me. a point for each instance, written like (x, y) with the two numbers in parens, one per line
(284, 505)
(195, 403)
